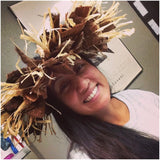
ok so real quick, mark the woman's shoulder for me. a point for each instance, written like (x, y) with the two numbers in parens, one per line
(136, 93)
(77, 152)
(135, 98)
(140, 102)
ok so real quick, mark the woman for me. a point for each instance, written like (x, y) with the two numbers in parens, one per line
(61, 82)
(94, 120)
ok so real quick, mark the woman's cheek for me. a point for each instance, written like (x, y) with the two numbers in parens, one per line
(71, 100)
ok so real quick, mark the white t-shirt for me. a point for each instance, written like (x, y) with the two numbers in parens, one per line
(144, 114)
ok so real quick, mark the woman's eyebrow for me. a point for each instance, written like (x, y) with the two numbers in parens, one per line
(58, 78)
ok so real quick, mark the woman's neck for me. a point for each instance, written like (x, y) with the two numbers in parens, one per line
(116, 112)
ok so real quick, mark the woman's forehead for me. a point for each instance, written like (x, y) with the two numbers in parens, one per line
(67, 68)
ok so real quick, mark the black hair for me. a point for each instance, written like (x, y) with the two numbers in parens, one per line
(102, 140)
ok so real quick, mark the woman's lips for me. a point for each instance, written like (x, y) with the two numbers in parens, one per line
(93, 95)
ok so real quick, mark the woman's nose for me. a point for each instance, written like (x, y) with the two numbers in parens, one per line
(81, 84)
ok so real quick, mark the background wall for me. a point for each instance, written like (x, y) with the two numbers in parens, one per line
(143, 46)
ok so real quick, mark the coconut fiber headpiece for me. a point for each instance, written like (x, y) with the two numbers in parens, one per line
(85, 33)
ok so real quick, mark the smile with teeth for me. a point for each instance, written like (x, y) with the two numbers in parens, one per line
(91, 96)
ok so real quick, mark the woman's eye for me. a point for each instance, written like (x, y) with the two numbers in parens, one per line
(64, 86)
(79, 67)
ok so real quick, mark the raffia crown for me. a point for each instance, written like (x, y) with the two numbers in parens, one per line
(85, 34)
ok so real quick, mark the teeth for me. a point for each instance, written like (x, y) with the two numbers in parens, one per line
(91, 95)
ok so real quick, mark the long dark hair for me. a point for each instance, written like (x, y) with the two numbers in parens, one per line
(100, 139)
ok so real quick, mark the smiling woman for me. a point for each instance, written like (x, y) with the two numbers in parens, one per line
(101, 125)
(63, 82)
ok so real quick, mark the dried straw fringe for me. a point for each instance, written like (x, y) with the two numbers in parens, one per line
(15, 125)
(101, 17)
(105, 16)
(12, 124)
(8, 91)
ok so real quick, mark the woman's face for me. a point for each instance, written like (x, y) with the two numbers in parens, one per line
(85, 90)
